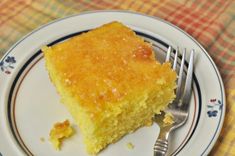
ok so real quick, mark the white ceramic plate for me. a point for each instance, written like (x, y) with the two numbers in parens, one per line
(29, 104)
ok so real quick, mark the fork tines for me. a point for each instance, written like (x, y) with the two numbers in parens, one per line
(179, 64)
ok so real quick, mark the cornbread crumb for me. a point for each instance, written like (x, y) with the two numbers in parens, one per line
(59, 132)
(130, 145)
(42, 139)
(168, 119)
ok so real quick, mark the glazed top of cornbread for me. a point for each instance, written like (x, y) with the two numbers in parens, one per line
(107, 65)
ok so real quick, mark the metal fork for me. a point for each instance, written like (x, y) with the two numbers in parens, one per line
(179, 108)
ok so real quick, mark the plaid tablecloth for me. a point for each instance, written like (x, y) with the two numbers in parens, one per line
(211, 22)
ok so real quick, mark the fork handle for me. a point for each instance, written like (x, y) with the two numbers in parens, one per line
(160, 147)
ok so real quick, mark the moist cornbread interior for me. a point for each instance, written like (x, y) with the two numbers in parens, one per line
(110, 82)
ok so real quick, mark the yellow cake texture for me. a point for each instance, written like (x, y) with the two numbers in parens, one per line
(59, 132)
(110, 82)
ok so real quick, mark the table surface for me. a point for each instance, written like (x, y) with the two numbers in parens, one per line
(211, 22)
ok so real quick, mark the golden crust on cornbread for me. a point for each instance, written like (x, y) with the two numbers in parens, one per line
(110, 82)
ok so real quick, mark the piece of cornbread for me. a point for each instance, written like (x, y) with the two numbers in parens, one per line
(59, 132)
(110, 82)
